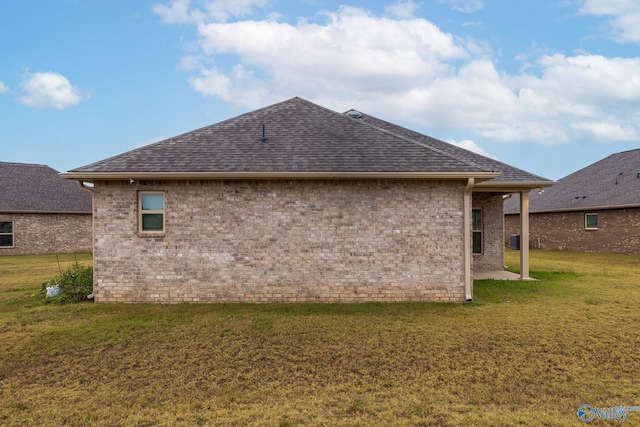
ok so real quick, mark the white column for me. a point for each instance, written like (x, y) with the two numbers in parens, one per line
(524, 235)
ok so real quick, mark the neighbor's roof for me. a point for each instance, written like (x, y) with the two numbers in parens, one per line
(38, 188)
(612, 182)
(299, 138)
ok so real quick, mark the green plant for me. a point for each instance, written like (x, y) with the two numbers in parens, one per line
(76, 284)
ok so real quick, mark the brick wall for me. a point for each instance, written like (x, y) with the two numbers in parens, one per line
(492, 257)
(618, 231)
(48, 233)
(342, 240)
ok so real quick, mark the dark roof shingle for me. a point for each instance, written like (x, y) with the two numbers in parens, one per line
(507, 173)
(38, 188)
(611, 182)
(302, 137)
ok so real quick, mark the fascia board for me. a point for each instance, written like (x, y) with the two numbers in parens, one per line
(110, 176)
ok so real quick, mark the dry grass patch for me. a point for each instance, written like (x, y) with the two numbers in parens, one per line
(521, 354)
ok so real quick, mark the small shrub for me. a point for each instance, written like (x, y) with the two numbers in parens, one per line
(76, 284)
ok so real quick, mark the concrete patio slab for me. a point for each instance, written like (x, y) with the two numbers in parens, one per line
(498, 275)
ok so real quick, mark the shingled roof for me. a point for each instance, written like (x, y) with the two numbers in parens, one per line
(508, 174)
(30, 188)
(613, 182)
(298, 137)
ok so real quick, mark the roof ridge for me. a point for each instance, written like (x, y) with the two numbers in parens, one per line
(437, 150)
(608, 183)
(622, 152)
(38, 188)
(597, 162)
(345, 116)
(26, 164)
(305, 137)
(358, 120)
(185, 133)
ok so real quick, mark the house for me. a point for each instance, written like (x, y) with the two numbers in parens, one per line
(596, 209)
(296, 202)
(40, 213)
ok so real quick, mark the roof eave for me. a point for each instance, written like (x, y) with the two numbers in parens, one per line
(579, 209)
(512, 186)
(111, 176)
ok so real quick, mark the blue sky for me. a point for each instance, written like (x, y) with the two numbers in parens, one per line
(549, 86)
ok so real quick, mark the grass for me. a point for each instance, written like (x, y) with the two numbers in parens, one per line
(524, 354)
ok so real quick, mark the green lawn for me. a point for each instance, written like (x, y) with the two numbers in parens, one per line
(521, 354)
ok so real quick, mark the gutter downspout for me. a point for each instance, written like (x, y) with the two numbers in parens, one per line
(83, 187)
(466, 217)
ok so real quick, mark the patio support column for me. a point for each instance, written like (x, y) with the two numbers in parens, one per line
(524, 235)
(468, 256)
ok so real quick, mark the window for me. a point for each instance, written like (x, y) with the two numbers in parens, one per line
(591, 221)
(151, 212)
(476, 230)
(6, 234)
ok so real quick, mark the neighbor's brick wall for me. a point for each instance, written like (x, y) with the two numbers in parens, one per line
(618, 231)
(357, 240)
(48, 233)
(492, 257)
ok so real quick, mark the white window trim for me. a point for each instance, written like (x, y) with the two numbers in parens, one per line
(162, 212)
(12, 234)
(481, 231)
(585, 220)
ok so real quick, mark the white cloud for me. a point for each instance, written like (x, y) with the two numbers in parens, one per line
(465, 6)
(3, 88)
(607, 79)
(190, 63)
(50, 90)
(352, 52)
(604, 131)
(470, 145)
(408, 69)
(179, 11)
(586, 97)
(221, 10)
(402, 9)
(609, 7)
(240, 86)
(624, 17)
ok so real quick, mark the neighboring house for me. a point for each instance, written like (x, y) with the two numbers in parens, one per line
(596, 209)
(41, 213)
(295, 202)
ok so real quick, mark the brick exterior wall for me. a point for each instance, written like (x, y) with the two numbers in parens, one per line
(618, 231)
(262, 241)
(48, 233)
(492, 257)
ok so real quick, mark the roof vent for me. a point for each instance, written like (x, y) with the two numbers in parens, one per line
(264, 134)
(354, 114)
